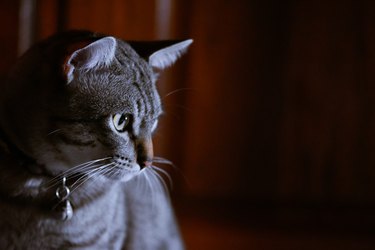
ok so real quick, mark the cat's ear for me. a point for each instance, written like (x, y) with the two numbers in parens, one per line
(95, 55)
(165, 57)
(161, 54)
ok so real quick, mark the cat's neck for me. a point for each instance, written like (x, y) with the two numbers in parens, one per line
(19, 186)
(18, 179)
(24, 183)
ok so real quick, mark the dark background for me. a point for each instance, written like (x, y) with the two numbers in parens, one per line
(270, 117)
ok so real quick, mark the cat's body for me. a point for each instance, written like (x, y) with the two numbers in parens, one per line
(76, 169)
(114, 220)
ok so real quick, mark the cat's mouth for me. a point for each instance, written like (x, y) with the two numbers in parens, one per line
(121, 167)
(122, 161)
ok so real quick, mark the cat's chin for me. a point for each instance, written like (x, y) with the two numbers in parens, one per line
(123, 174)
(122, 177)
(126, 178)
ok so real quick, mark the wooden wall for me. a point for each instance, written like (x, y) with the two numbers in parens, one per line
(282, 102)
(8, 35)
(274, 101)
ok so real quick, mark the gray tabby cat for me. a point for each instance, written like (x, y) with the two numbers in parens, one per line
(76, 118)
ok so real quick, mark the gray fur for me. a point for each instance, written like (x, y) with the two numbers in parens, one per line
(57, 121)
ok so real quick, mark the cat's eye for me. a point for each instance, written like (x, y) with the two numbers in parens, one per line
(121, 122)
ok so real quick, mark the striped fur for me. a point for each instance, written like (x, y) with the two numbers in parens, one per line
(56, 118)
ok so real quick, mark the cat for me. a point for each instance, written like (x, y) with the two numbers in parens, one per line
(77, 116)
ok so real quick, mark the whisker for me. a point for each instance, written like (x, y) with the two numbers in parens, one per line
(89, 175)
(111, 170)
(54, 131)
(166, 174)
(176, 91)
(162, 161)
(72, 172)
(161, 180)
(86, 164)
(148, 181)
(140, 180)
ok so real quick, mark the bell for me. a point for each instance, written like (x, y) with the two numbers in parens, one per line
(64, 210)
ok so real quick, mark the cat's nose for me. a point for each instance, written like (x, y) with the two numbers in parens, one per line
(145, 152)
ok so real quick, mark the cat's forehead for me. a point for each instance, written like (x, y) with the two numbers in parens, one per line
(127, 56)
(123, 89)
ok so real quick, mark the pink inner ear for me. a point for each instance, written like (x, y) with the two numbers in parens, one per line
(67, 69)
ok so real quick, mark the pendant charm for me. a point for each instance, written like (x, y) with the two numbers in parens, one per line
(64, 208)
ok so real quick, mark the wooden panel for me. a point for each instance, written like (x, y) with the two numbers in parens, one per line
(48, 14)
(8, 34)
(129, 19)
(220, 156)
(328, 120)
(283, 101)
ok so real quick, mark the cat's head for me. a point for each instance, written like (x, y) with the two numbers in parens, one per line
(87, 101)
